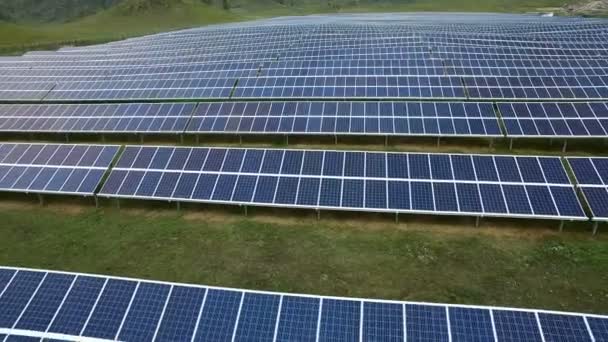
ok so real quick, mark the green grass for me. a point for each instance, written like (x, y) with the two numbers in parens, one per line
(358, 256)
(123, 21)
(114, 24)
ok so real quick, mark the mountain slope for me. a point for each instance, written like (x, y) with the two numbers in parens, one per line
(124, 18)
(50, 11)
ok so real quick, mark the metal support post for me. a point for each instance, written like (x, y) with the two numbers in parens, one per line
(385, 140)
(245, 210)
(336, 139)
(178, 206)
(561, 226)
(565, 146)
(286, 139)
(197, 139)
(67, 137)
(438, 141)
(510, 144)
(491, 143)
(595, 224)
(41, 199)
(477, 219)
(181, 138)
(396, 218)
(318, 214)
(117, 203)
(141, 138)
(103, 138)
(240, 139)
(96, 201)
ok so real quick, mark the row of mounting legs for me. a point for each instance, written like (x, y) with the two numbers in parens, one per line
(41, 200)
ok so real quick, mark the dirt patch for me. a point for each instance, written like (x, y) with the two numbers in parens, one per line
(594, 7)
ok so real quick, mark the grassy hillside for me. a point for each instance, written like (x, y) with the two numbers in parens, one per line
(55, 10)
(138, 17)
(115, 23)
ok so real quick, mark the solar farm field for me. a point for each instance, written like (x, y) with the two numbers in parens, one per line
(453, 158)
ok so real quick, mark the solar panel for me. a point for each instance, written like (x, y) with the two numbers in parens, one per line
(37, 304)
(350, 87)
(54, 168)
(417, 56)
(547, 119)
(96, 118)
(476, 185)
(591, 176)
(343, 118)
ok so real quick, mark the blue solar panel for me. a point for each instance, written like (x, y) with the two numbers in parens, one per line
(144, 313)
(516, 326)
(298, 319)
(257, 317)
(383, 322)
(591, 176)
(219, 316)
(53, 168)
(340, 320)
(599, 328)
(17, 295)
(369, 181)
(110, 309)
(384, 118)
(81, 300)
(467, 324)
(181, 314)
(558, 327)
(178, 312)
(41, 310)
(426, 323)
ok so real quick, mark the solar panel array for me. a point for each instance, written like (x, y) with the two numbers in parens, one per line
(54, 168)
(96, 118)
(344, 118)
(477, 185)
(68, 306)
(390, 74)
(386, 56)
(592, 179)
(555, 119)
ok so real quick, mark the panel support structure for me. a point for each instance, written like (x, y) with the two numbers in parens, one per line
(561, 226)
(40, 199)
(565, 146)
(595, 225)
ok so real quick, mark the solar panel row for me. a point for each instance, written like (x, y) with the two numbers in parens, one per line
(477, 185)
(521, 119)
(384, 118)
(71, 306)
(555, 119)
(53, 168)
(97, 118)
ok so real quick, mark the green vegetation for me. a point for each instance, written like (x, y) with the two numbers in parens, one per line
(349, 255)
(26, 28)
